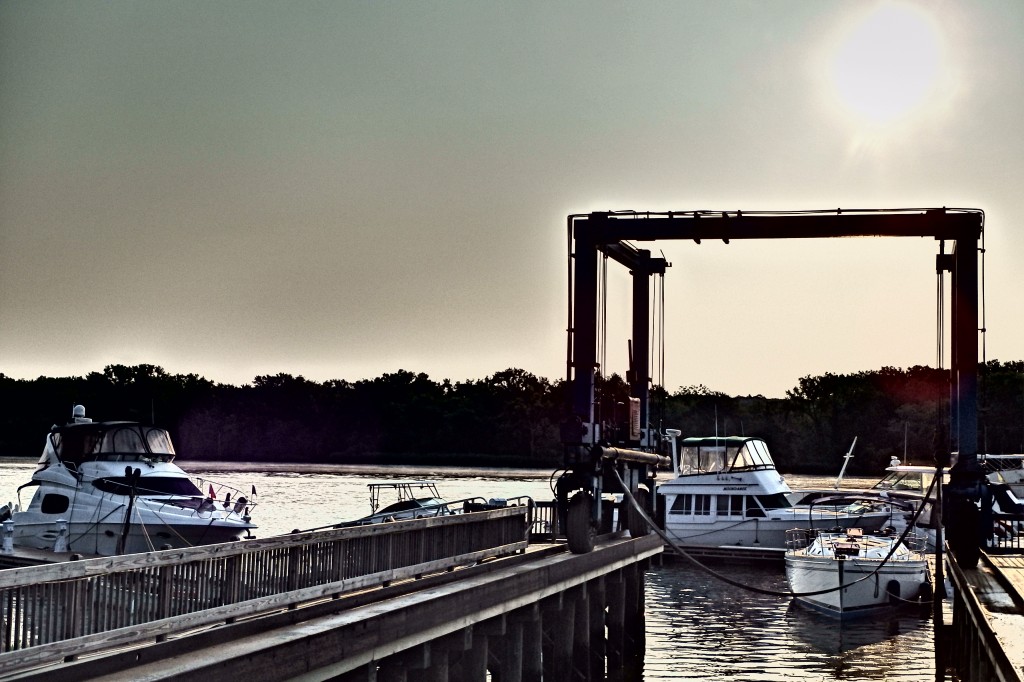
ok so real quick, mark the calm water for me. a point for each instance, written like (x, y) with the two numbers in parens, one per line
(697, 627)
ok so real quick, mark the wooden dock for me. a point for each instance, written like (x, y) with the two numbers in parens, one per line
(987, 633)
(439, 598)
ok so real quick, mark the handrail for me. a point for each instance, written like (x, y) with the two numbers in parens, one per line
(159, 593)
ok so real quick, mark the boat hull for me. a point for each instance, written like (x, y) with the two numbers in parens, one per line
(764, 532)
(103, 538)
(893, 584)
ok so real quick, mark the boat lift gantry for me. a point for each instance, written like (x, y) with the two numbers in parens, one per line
(600, 461)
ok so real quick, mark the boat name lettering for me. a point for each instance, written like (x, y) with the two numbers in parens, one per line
(736, 487)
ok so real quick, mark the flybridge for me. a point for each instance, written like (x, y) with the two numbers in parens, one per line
(608, 233)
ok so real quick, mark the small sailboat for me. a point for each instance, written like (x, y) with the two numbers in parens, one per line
(853, 572)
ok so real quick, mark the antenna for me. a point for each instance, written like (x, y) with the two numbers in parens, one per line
(846, 460)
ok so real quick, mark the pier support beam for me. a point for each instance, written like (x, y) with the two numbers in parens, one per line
(559, 615)
(581, 635)
(615, 593)
(596, 599)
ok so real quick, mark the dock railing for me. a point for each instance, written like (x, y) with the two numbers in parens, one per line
(1007, 535)
(59, 611)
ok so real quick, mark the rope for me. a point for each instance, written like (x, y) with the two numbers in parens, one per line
(761, 590)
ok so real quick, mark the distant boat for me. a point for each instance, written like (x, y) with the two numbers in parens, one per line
(904, 490)
(112, 488)
(417, 499)
(409, 500)
(727, 492)
(856, 573)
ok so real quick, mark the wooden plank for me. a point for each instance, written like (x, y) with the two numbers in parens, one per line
(51, 653)
(1000, 631)
(335, 643)
(70, 570)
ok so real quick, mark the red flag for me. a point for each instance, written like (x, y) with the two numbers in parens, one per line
(212, 496)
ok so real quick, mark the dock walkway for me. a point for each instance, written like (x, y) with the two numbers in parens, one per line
(412, 625)
(988, 618)
(444, 598)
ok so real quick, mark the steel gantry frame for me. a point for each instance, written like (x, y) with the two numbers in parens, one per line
(608, 233)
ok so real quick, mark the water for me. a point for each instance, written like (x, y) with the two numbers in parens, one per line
(697, 626)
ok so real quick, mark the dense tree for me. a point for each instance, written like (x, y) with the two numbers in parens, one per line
(512, 416)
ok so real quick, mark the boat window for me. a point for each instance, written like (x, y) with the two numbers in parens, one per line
(689, 460)
(73, 446)
(692, 505)
(124, 440)
(730, 505)
(693, 460)
(159, 442)
(55, 504)
(753, 455)
(150, 486)
(776, 501)
(683, 504)
(753, 508)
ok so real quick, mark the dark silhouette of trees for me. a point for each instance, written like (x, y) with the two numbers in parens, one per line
(511, 417)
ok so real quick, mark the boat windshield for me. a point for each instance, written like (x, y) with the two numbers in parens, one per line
(753, 455)
(121, 442)
(700, 458)
(912, 481)
(157, 486)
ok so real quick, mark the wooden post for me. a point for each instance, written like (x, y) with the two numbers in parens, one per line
(559, 614)
(497, 630)
(616, 625)
(529, 620)
(511, 667)
(634, 625)
(474, 661)
(597, 621)
(581, 636)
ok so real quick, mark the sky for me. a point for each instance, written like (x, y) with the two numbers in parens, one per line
(340, 190)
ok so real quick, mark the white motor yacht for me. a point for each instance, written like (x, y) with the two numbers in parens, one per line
(110, 488)
(851, 572)
(727, 492)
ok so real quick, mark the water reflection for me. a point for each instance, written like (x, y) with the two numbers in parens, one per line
(701, 628)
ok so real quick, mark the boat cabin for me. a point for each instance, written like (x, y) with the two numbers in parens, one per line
(110, 441)
(909, 478)
(716, 455)
(77, 444)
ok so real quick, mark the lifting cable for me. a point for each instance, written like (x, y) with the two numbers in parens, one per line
(762, 590)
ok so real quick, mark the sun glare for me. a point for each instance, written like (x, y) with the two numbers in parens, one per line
(887, 64)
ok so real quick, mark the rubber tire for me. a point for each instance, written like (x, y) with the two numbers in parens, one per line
(580, 530)
(635, 523)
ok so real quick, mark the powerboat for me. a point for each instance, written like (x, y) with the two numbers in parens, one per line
(417, 499)
(852, 572)
(1007, 469)
(412, 500)
(906, 490)
(110, 488)
(727, 492)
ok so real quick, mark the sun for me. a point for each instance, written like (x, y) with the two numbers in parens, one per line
(888, 63)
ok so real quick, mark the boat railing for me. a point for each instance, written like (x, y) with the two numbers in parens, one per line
(229, 494)
(202, 507)
(916, 542)
(800, 538)
(539, 516)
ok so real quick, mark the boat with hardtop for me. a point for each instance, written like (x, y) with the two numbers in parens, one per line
(109, 488)
(726, 491)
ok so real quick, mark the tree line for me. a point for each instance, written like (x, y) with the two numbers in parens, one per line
(512, 417)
